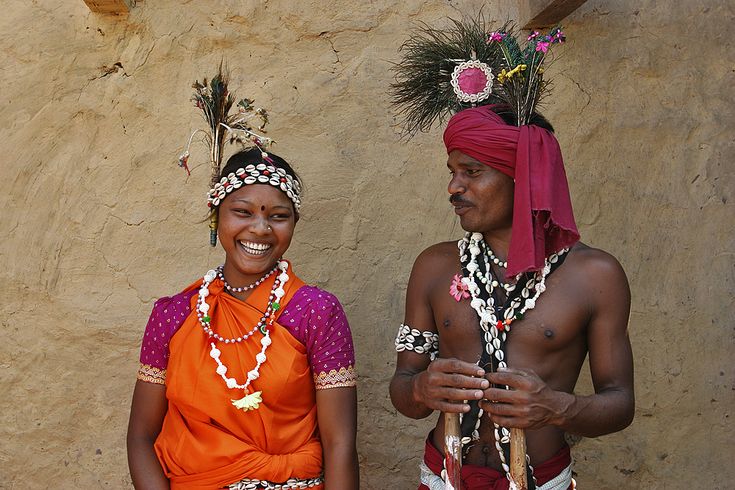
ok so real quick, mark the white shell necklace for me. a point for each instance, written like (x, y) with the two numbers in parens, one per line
(485, 308)
(494, 331)
(203, 308)
(250, 401)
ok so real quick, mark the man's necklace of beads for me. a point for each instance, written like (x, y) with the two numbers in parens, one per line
(251, 401)
(495, 331)
(496, 261)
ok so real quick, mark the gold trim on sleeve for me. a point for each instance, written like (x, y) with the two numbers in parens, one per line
(151, 374)
(345, 377)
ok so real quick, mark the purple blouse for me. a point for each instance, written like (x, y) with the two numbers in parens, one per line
(313, 316)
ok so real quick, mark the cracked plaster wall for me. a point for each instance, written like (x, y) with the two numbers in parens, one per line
(97, 220)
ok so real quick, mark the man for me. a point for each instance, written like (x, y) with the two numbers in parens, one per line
(584, 308)
(497, 326)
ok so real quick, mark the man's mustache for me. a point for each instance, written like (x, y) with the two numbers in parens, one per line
(458, 199)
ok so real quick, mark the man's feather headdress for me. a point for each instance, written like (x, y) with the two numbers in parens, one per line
(444, 71)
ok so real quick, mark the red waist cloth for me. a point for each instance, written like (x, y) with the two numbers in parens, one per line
(482, 478)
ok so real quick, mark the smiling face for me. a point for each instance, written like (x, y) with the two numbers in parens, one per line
(482, 196)
(255, 227)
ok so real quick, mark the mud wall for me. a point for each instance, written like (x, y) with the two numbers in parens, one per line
(98, 221)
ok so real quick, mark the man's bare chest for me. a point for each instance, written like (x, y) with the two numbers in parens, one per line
(557, 323)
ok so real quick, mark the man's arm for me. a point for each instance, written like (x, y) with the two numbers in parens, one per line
(418, 386)
(148, 409)
(532, 404)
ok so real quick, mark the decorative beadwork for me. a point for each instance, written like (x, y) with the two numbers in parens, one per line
(242, 289)
(256, 174)
(494, 331)
(500, 263)
(202, 308)
(290, 484)
(345, 377)
(151, 374)
(251, 401)
(420, 342)
(472, 69)
(493, 328)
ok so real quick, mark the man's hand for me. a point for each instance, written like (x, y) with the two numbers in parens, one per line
(446, 384)
(529, 404)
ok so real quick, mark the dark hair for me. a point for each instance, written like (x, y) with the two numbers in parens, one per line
(254, 156)
(510, 118)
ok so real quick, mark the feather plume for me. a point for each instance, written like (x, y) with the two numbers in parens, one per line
(522, 84)
(215, 100)
(422, 91)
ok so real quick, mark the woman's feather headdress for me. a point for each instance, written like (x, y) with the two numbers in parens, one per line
(444, 71)
(216, 101)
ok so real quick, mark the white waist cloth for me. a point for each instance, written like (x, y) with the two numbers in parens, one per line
(562, 481)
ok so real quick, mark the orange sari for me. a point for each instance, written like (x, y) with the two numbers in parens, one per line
(206, 442)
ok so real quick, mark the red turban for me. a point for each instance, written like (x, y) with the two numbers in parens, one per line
(543, 221)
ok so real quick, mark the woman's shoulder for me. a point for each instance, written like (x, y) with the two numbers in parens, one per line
(177, 303)
(311, 312)
(168, 314)
(316, 295)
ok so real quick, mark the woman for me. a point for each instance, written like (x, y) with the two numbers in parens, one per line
(246, 377)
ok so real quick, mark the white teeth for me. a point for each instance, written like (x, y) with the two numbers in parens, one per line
(255, 248)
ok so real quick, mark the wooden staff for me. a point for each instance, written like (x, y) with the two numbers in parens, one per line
(518, 459)
(452, 451)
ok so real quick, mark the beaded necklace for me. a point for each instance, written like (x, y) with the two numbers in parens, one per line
(494, 331)
(251, 401)
(242, 289)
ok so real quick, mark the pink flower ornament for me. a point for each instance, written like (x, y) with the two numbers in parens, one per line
(496, 37)
(542, 46)
(458, 289)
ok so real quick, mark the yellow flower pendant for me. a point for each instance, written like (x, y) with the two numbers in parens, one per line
(250, 401)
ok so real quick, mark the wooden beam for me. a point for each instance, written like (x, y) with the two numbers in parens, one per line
(537, 14)
(110, 6)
